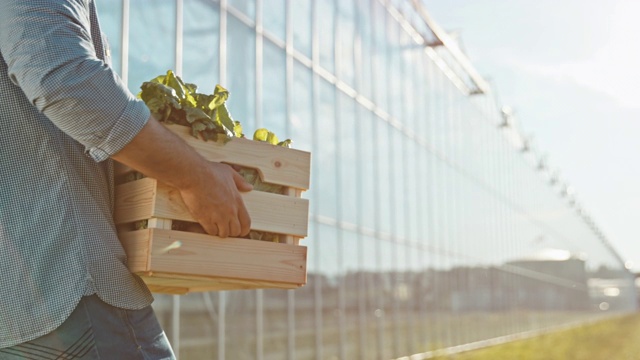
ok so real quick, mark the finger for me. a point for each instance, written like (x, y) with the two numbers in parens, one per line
(223, 230)
(211, 229)
(236, 167)
(244, 220)
(234, 228)
(241, 183)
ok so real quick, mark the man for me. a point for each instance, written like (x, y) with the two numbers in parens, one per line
(65, 290)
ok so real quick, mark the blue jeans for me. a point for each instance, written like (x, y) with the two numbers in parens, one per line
(96, 330)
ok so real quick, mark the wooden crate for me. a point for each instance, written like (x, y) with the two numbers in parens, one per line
(178, 262)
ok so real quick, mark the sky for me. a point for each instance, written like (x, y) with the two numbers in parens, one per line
(570, 71)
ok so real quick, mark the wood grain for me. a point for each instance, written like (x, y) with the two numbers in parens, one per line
(276, 164)
(209, 262)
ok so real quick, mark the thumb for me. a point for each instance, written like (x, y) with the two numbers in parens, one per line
(241, 183)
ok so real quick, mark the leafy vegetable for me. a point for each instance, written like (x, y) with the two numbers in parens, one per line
(265, 135)
(173, 101)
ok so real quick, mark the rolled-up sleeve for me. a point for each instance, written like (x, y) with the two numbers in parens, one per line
(49, 52)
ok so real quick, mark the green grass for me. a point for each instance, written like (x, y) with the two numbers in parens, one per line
(612, 339)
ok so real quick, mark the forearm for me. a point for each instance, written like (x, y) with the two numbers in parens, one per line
(160, 154)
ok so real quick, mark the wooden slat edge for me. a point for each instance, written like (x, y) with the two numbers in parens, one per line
(135, 200)
(179, 284)
(137, 246)
(161, 288)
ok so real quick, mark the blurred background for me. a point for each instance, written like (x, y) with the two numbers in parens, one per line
(569, 72)
(472, 165)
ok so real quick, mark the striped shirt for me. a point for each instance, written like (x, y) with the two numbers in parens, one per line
(63, 112)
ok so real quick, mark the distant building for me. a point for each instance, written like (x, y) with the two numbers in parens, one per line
(551, 279)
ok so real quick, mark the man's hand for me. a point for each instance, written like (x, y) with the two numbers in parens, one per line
(210, 190)
(214, 201)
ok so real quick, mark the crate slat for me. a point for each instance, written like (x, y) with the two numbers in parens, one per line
(200, 257)
(276, 164)
(147, 198)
